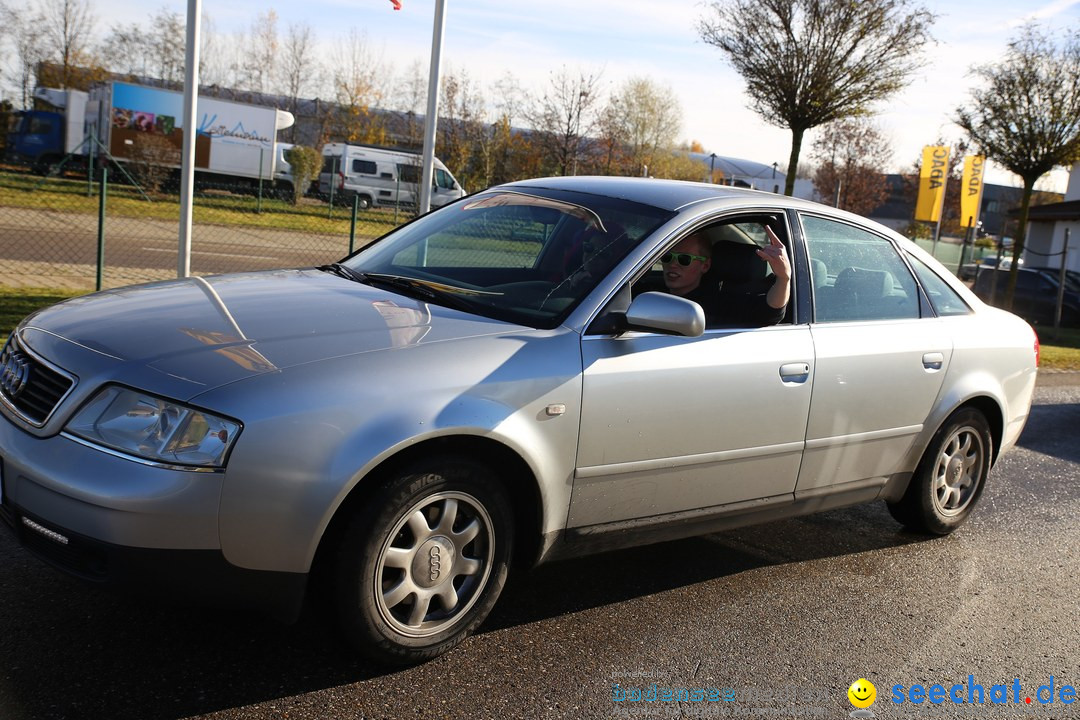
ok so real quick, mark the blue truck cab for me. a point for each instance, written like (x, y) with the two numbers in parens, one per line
(37, 138)
(53, 129)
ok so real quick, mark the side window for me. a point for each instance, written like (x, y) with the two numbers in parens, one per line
(364, 167)
(856, 274)
(945, 300)
(717, 266)
(409, 173)
(40, 126)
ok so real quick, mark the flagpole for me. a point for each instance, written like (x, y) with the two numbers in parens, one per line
(187, 163)
(428, 171)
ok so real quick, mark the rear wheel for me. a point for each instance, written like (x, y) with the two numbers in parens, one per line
(423, 564)
(950, 477)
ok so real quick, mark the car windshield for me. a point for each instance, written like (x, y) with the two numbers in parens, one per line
(526, 257)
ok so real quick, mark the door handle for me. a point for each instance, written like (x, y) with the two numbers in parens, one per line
(933, 360)
(795, 372)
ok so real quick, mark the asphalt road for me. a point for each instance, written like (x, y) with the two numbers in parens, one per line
(785, 615)
(35, 236)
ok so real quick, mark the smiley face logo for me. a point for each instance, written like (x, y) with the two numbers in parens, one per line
(862, 693)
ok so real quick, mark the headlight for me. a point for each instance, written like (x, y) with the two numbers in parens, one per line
(155, 429)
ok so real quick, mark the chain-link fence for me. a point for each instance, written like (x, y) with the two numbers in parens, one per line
(53, 230)
(955, 255)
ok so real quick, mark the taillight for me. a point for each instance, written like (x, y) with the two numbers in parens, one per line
(341, 181)
(1036, 346)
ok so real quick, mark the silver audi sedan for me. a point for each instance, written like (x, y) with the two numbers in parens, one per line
(544, 369)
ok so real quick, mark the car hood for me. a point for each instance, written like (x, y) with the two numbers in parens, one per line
(216, 330)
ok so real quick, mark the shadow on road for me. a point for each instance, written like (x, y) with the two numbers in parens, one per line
(73, 651)
(1052, 430)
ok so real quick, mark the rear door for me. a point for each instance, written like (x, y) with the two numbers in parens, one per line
(880, 363)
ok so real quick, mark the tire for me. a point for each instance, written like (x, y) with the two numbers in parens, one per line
(421, 566)
(950, 477)
(363, 203)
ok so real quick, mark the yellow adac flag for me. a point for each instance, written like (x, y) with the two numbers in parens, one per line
(971, 190)
(932, 178)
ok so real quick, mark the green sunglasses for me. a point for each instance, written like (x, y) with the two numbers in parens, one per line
(683, 259)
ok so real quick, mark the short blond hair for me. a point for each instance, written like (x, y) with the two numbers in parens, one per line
(703, 243)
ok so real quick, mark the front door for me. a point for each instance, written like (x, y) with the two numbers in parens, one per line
(670, 424)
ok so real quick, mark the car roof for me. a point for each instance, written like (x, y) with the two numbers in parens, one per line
(664, 194)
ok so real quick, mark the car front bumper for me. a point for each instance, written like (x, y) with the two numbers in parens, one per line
(112, 520)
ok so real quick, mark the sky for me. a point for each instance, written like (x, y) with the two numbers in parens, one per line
(656, 39)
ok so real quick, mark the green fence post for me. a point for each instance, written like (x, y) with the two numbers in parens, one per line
(101, 224)
(397, 197)
(90, 171)
(258, 204)
(352, 225)
(333, 182)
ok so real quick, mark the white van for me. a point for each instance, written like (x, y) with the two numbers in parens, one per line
(381, 176)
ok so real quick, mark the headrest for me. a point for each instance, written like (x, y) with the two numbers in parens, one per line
(736, 262)
(866, 283)
(819, 272)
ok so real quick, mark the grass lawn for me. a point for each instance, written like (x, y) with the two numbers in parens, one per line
(15, 304)
(1059, 349)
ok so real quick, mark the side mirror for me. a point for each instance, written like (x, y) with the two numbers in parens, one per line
(664, 313)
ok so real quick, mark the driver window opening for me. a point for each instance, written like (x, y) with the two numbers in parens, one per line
(719, 267)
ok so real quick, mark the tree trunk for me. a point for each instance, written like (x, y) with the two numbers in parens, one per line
(1018, 241)
(793, 160)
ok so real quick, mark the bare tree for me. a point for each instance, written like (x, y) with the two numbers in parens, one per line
(166, 43)
(259, 55)
(809, 62)
(298, 65)
(24, 30)
(66, 33)
(410, 98)
(124, 50)
(358, 87)
(1026, 115)
(644, 118)
(510, 152)
(851, 155)
(155, 51)
(564, 117)
(465, 142)
(213, 61)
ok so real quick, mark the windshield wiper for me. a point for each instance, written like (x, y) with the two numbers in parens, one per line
(436, 292)
(344, 271)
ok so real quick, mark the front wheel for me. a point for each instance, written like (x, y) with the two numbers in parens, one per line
(423, 564)
(950, 477)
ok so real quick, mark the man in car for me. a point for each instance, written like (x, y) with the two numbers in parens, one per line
(686, 264)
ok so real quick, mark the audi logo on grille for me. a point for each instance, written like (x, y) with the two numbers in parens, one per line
(14, 372)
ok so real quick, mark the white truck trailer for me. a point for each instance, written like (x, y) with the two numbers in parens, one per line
(235, 143)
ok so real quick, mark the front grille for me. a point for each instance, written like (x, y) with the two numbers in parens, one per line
(30, 387)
